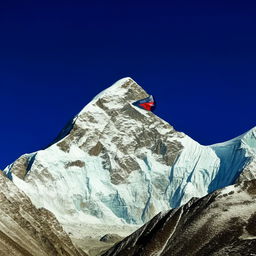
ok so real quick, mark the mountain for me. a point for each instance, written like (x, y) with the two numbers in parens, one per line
(116, 164)
(221, 223)
(26, 230)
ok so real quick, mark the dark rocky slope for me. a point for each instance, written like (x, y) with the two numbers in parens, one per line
(222, 223)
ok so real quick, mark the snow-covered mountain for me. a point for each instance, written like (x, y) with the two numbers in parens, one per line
(117, 163)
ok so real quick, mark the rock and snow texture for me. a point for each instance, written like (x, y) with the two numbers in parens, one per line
(116, 163)
(221, 223)
(28, 231)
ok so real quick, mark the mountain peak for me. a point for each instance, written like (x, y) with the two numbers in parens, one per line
(108, 102)
(118, 88)
(122, 92)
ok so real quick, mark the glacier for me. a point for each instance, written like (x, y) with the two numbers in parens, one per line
(116, 163)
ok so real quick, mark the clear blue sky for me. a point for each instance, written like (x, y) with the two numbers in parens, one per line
(198, 58)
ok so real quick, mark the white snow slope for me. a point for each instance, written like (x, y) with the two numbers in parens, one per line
(116, 163)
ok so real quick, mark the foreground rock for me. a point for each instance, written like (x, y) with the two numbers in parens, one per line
(222, 223)
(28, 231)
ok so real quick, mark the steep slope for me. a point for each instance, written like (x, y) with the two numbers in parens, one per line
(222, 223)
(25, 230)
(116, 163)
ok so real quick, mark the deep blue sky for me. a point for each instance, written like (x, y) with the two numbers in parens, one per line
(198, 58)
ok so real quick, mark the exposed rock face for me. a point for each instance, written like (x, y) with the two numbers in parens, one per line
(249, 172)
(22, 165)
(222, 223)
(110, 238)
(26, 230)
(116, 163)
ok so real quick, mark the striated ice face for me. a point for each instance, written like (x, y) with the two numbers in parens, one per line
(116, 163)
